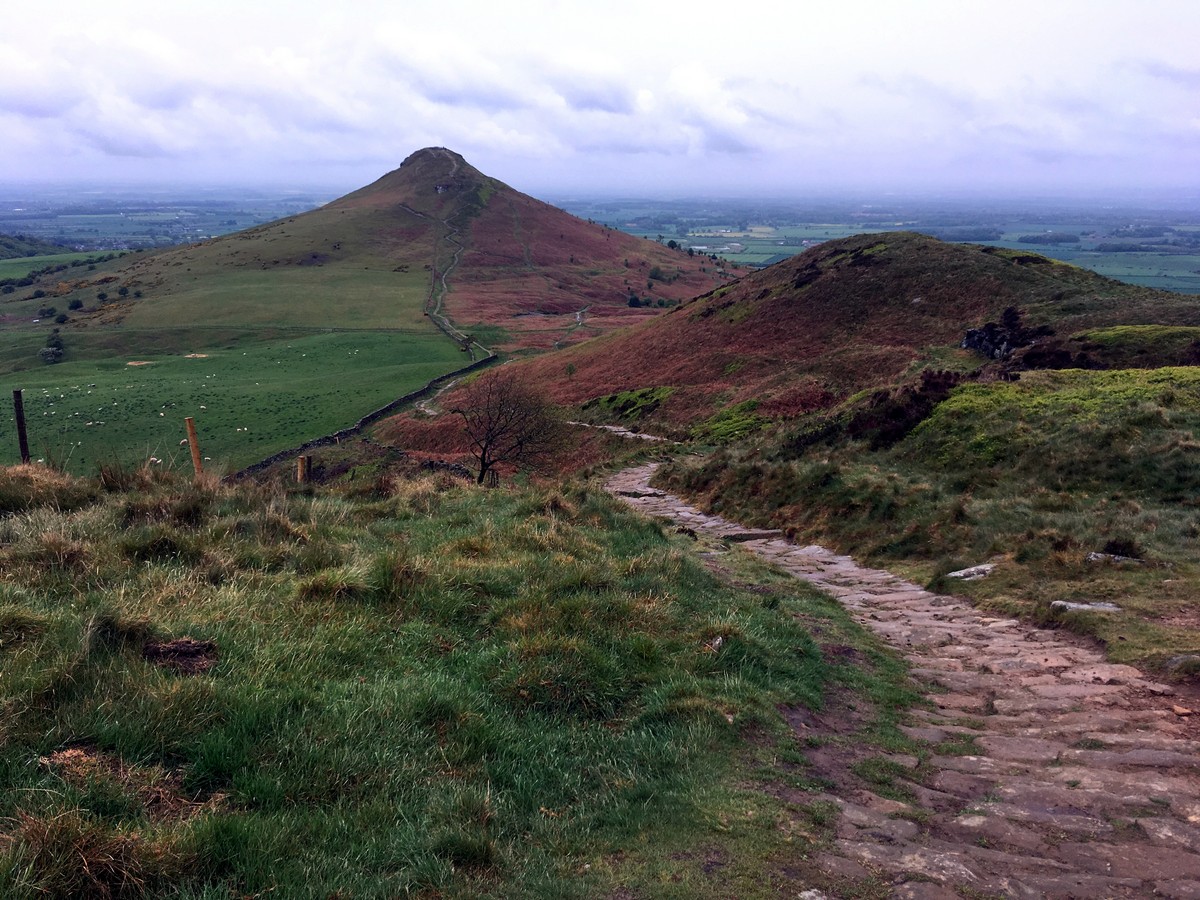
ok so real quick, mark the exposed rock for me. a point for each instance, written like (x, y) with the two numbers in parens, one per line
(1112, 559)
(974, 573)
(1068, 606)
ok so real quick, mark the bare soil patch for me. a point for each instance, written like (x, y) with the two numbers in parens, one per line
(159, 791)
(184, 655)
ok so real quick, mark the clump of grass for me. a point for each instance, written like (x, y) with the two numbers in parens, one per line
(68, 856)
(394, 575)
(159, 543)
(29, 486)
(108, 630)
(56, 551)
(562, 677)
(343, 583)
(18, 623)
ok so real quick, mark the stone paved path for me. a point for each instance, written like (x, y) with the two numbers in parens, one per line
(1086, 781)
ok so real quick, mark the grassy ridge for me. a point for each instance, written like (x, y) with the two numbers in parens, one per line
(19, 267)
(249, 397)
(424, 689)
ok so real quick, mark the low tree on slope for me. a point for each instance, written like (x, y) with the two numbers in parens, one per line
(508, 422)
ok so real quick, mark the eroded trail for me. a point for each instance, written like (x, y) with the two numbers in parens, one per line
(1083, 779)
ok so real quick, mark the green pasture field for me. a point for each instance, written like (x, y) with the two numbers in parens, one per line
(327, 296)
(23, 265)
(249, 398)
(1165, 271)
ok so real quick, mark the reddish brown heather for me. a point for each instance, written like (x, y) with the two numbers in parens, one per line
(844, 316)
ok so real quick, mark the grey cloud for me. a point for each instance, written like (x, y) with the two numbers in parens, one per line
(913, 87)
(597, 96)
(458, 89)
(35, 103)
(1188, 78)
(120, 143)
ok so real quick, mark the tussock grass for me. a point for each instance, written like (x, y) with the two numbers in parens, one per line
(419, 687)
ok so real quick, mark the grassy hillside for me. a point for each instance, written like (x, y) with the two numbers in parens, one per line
(16, 245)
(851, 416)
(421, 688)
(851, 314)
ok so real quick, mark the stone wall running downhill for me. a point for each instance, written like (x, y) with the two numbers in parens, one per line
(366, 421)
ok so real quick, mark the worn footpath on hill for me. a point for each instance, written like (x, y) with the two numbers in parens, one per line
(1081, 778)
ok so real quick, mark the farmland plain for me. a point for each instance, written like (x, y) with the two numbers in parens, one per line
(1152, 245)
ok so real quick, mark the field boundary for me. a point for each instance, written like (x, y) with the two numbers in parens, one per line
(433, 309)
(369, 419)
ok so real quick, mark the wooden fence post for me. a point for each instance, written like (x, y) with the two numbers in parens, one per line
(194, 445)
(303, 469)
(22, 436)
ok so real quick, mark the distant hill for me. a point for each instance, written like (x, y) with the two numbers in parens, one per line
(850, 314)
(17, 246)
(515, 271)
(541, 276)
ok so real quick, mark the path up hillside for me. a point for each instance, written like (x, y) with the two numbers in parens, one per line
(1047, 772)
(849, 314)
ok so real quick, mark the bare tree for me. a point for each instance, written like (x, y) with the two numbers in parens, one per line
(508, 422)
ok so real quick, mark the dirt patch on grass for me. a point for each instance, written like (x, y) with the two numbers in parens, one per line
(184, 655)
(159, 791)
(196, 356)
(139, 362)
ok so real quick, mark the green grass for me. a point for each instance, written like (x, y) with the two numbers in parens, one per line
(730, 424)
(422, 688)
(342, 296)
(1144, 346)
(628, 406)
(249, 398)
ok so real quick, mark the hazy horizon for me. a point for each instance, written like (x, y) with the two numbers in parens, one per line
(1072, 99)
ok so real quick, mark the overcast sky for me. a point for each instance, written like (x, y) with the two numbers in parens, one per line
(604, 97)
